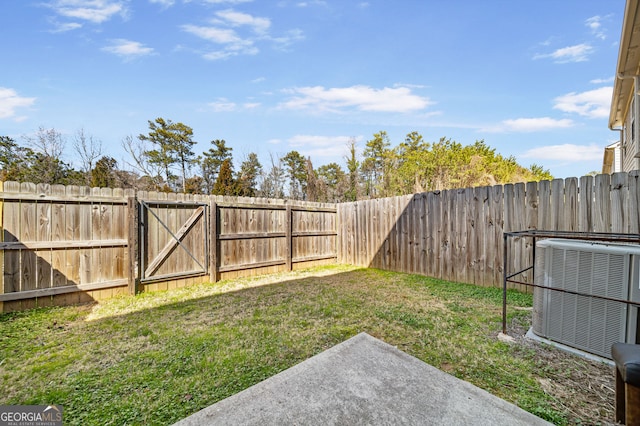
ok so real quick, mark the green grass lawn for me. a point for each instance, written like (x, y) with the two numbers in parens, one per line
(159, 357)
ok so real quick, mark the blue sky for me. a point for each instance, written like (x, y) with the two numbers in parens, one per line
(531, 78)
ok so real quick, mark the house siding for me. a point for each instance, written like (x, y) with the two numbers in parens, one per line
(630, 146)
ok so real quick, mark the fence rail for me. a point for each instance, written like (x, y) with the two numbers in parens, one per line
(69, 244)
(457, 234)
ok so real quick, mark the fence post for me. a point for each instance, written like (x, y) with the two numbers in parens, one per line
(213, 241)
(288, 236)
(133, 242)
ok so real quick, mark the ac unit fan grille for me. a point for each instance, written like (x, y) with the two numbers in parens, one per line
(582, 322)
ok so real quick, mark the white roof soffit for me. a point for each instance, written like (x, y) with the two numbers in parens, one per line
(628, 61)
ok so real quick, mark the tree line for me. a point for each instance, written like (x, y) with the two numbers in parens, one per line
(163, 159)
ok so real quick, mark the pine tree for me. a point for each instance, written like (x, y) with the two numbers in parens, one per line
(173, 144)
(211, 162)
(102, 175)
(225, 185)
(247, 177)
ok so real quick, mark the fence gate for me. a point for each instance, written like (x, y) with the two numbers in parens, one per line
(173, 240)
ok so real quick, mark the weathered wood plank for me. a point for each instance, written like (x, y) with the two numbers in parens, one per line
(570, 209)
(467, 236)
(497, 221)
(634, 202)
(213, 241)
(133, 271)
(60, 290)
(484, 251)
(544, 206)
(519, 222)
(602, 203)
(421, 237)
(557, 205)
(585, 204)
(510, 226)
(58, 233)
(12, 273)
(288, 224)
(619, 203)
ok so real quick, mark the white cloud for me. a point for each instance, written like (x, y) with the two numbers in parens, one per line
(576, 53)
(213, 34)
(363, 98)
(238, 33)
(595, 25)
(236, 19)
(128, 49)
(290, 37)
(95, 11)
(10, 101)
(566, 152)
(594, 103)
(64, 27)
(527, 125)
(232, 44)
(602, 80)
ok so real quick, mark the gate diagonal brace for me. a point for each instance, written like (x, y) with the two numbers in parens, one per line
(174, 242)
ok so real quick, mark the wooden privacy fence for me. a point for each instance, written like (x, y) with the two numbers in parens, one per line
(69, 244)
(64, 245)
(457, 234)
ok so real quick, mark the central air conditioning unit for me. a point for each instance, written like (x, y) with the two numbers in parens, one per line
(582, 322)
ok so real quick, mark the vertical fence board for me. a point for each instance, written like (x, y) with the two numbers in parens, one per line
(585, 204)
(432, 236)
(486, 242)
(509, 226)
(497, 220)
(634, 202)
(133, 242)
(288, 238)
(403, 235)
(471, 248)
(619, 200)
(557, 205)
(422, 239)
(12, 273)
(373, 214)
(544, 206)
(58, 233)
(602, 203)
(570, 204)
(385, 231)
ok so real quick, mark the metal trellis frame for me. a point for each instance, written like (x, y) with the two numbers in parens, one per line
(539, 234)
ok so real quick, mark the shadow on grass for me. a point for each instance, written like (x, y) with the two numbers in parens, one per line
(166, 358)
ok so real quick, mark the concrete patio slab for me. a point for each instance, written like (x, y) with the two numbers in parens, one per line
(362, 381)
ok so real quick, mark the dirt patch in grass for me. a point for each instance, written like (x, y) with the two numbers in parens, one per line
(158, 357)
